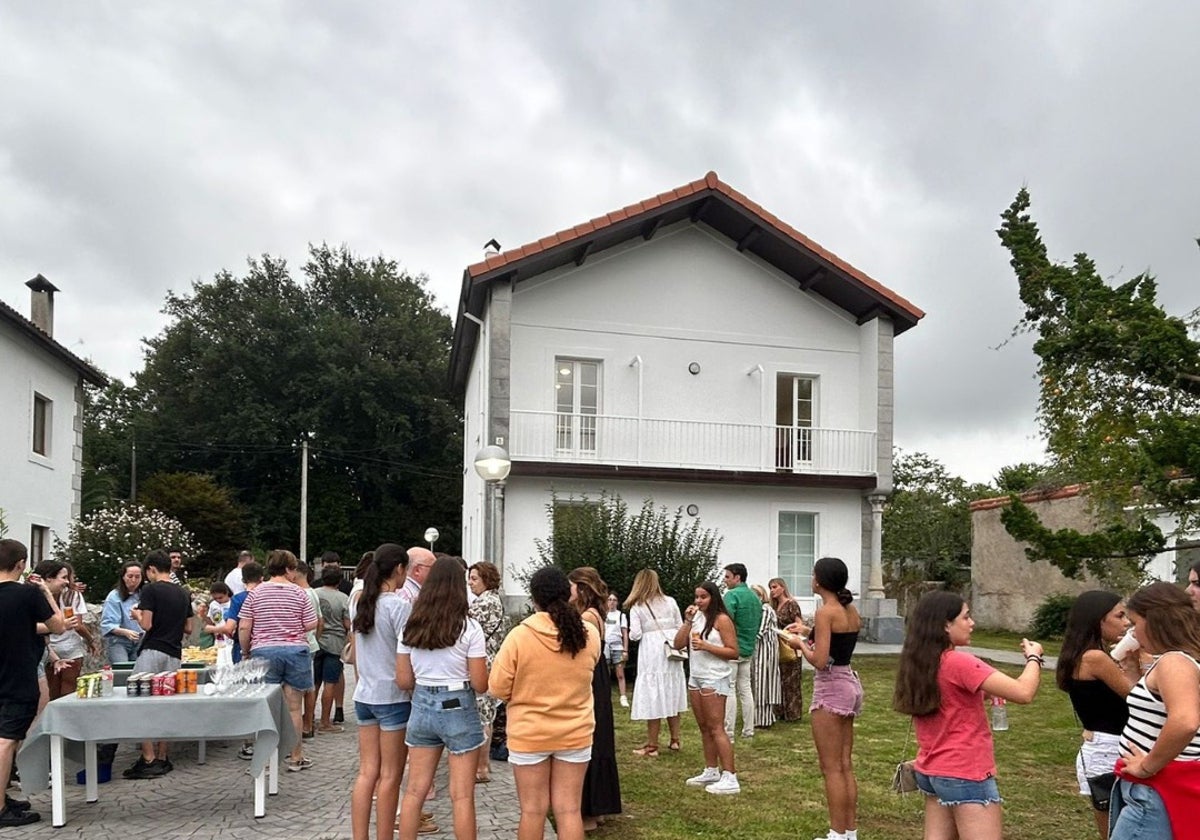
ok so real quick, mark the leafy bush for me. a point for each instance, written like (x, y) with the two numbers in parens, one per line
(603, 533)
(99, 542)
(1050, 618)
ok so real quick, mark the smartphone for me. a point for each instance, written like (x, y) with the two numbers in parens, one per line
(452, 703)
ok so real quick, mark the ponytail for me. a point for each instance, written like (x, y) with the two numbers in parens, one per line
(551, 592)
(845, 597)
(387, 557)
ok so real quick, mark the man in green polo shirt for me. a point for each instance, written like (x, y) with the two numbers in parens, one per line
(746, 611)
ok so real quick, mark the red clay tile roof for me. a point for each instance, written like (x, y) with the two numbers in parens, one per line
(1032, 496)
(708, 182)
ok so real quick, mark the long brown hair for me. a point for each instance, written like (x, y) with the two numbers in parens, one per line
(440, 612)
(925, 641)
(785, 597)
(592, 591)
(384, 561)
(1171, 621)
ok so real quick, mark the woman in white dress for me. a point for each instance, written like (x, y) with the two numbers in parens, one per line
(661, 689)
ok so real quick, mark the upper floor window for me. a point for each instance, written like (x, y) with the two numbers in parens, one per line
(795, 408)
(576, 404)
(39, 537)
(41, 424)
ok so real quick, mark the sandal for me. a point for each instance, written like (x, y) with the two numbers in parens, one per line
(674, 745)
(647, 750)
(482, 779)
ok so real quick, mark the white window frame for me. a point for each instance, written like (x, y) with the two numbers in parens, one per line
(39, 544)
(794, 444)
(576, 432)
(799, 585)
(41, 415)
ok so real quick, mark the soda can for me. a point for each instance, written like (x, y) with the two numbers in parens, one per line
(81, 687)
(181, 682)
(193, 681)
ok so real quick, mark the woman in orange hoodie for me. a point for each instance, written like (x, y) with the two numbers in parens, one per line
(543, 673)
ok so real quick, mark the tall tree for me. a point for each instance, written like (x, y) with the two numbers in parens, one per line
(927, 521)
(351, 358)
(1119, 403)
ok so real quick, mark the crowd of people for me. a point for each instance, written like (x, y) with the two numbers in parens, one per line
(438, 668)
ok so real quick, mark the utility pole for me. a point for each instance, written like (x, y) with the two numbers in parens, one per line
(133, 473)
(304, 501)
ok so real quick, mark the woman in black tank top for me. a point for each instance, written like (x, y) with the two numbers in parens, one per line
(1097, 687)
(837, 693)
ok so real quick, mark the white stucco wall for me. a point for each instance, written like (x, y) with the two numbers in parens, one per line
(746, 517)
(35, 490)
(689, 296)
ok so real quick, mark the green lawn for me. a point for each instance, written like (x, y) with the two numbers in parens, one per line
(1007, 640)
(782, 796)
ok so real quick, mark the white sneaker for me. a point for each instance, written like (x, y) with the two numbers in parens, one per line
(624, 702)
(727, 784)
(710, 775)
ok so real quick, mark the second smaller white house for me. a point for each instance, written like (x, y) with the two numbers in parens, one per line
(695, 350)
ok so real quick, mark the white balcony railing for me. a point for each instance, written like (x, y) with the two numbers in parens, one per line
(694, 444)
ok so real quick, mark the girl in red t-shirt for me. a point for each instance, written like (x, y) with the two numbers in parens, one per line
(944, 690)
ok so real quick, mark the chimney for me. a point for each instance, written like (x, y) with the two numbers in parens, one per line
(491, 248)
(41, 304)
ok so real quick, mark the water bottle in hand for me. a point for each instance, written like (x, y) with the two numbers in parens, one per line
(999, 715)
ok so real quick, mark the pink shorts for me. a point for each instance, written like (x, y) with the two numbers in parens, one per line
(836, 689)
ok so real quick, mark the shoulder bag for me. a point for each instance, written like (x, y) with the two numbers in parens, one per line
(904, 779)
(674, 654)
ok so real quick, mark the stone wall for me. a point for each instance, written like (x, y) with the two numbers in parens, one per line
(1006, 588)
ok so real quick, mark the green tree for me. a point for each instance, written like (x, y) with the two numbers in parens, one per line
(927, 522)
(204, 508)
(351, 358)
(618, 543)
(1119, 404)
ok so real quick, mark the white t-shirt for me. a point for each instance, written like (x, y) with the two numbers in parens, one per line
(447, 666)
(614, 623)
(234, 580)
(375, 653)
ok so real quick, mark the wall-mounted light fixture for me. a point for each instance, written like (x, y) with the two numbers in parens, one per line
(694, 368)
(692, 510)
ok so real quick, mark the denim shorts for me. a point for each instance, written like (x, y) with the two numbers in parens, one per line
(389, 717)
(614, 655)
(1138, 813)
(290, 665)
(711, 685)
(951, 791)
(444, 716)
(836, 689)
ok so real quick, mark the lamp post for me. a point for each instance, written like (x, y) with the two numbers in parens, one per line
(431, 535)
(492, 464)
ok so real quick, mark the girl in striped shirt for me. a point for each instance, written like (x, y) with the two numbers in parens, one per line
(1160, 770)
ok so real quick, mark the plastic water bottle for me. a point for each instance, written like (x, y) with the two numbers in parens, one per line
(106, 681)
(999, 715)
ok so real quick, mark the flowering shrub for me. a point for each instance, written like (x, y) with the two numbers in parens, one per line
(99, 542)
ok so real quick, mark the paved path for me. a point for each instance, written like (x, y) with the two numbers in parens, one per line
(217, 800)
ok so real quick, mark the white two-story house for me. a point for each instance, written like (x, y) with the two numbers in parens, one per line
(41, 423)
(693, 349)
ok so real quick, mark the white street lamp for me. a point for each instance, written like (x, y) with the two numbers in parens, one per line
(431, 535)
(493, 465)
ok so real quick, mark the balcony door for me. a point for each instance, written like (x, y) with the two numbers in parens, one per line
(795, 408)
(576, 404)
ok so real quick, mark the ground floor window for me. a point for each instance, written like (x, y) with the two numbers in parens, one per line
(796, 550)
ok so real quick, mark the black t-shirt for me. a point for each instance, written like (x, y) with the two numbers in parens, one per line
(21, 607)
(171, 607)
(345, 587)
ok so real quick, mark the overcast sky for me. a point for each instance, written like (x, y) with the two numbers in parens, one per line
(146, 146)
